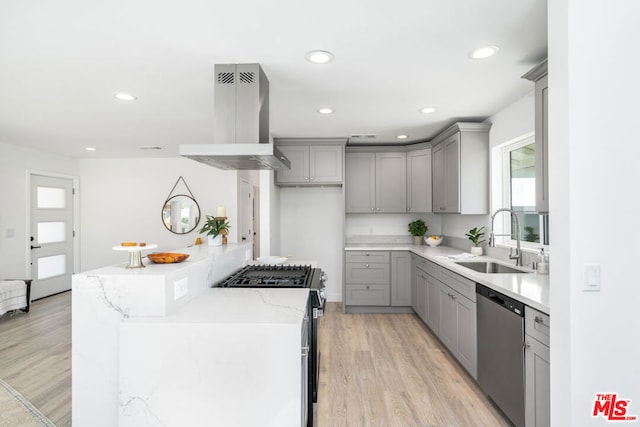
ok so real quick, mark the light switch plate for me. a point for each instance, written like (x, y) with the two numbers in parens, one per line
(591, 278)
(180, 288)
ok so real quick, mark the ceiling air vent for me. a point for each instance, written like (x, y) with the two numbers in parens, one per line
(225, 78)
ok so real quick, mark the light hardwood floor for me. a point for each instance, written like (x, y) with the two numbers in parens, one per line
(35, 355)
(389, 370)
(376, 369)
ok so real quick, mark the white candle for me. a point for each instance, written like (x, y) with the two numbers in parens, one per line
(222, 212)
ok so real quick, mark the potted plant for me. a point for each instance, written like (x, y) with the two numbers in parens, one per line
(418, 229)
(475, 235)
(214, 228)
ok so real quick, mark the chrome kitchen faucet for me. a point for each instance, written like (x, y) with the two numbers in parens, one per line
(492, 239)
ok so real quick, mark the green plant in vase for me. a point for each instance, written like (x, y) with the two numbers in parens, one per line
(418, 229)
(215, 228)
(475, 235)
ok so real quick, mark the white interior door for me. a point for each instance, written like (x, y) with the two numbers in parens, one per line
(51, 235)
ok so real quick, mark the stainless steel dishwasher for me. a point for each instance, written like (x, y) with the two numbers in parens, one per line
(501, 351)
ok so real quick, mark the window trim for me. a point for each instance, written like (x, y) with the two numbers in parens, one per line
(502, 186)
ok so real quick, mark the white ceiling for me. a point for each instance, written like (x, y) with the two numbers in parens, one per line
(62, 61)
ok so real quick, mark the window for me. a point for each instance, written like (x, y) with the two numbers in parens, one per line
(515, 187)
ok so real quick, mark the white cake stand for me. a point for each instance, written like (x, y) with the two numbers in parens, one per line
(135, 254)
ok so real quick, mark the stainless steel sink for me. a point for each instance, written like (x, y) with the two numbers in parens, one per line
(489, 267)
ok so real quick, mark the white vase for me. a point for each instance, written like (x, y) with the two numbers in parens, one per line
(214, 241)
(476, 250)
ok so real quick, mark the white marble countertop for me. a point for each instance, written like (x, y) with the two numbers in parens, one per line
(196, 253)
(530, 288)
(240, 306)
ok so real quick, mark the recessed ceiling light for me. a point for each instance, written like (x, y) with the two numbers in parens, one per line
(402, 136)
(428, 110)
(150, 147)
(125, 96)
(319, 56)
(484, 52)
(325, 110)
(90, 148)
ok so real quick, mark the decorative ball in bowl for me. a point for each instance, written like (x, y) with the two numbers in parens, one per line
(433, 240)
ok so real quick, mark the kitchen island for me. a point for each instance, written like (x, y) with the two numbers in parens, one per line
(159, 346)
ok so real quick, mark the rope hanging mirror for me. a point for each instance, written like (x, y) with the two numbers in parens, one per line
(180, 212)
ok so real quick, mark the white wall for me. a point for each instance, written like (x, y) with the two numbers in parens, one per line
(269, 214)
(311, 228)
(388, 224)
(122, 199)
(14, 163)
(593, 156)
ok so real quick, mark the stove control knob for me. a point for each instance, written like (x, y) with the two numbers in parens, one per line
(323, 277)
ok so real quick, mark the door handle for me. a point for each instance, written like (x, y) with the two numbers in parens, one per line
(35, 247)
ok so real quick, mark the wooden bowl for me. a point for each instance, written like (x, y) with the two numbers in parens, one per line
(166, 257)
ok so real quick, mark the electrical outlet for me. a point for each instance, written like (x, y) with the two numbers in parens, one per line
(180, 288)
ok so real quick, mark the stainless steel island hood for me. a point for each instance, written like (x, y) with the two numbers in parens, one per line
(241, 132)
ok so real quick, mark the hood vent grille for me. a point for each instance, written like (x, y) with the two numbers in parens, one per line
(225, 78)
(247, 77)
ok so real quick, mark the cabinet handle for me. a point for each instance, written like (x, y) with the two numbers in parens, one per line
(373, 209)
(367, 254)
(368, 287)
(441, 209)
(408, 209)
(312, 178)
(306, 178)
(526, 344)
(305, 351)
(378, 209)
(539, 320)
(366, 265)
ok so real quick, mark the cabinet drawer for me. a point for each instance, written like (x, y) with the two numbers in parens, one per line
(367, 257)
(459, 283)
(537, 324)
(361, 272)
(427, 266)
(368, 294)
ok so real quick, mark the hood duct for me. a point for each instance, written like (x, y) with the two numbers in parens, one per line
(241, 113)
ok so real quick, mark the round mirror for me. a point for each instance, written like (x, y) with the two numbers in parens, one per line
(181, 214)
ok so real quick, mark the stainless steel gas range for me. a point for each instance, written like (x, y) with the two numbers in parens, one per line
(292, 276)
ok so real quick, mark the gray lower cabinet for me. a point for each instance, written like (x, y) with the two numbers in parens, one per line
(420, 306)
(445, 301)
(400, 279)
(368, 278)
(537, 369)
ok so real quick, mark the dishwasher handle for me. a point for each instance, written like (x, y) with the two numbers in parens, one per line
(503, 301)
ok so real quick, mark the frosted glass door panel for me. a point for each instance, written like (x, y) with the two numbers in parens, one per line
(51, 266)
(50, 198)
(51, 232)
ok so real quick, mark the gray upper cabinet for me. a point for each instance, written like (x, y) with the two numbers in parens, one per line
(460, 166)
(360, 171)
(391, 182)
(419, 181)
(376, 182)
(311, 164)
(540, 77)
